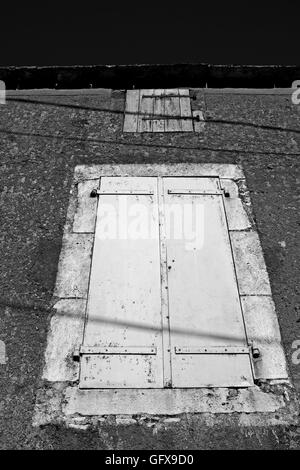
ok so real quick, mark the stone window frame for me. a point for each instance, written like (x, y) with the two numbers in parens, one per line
(60, 399)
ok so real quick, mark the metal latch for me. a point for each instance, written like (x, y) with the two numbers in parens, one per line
(76, 355)
(196, 117)
(255, 351)
(226, 193)
(94, 193)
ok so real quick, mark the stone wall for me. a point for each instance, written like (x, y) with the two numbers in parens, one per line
(44, 135)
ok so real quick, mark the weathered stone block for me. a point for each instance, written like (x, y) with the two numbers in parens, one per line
(263, 329)
(85, 215)
(251, 270)
(66, 334)
(168, 402)
(237, 217)
(74, 266)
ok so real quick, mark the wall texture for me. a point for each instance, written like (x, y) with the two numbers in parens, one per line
(43, 136)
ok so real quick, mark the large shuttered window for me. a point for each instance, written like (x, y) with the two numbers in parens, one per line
(163, 305)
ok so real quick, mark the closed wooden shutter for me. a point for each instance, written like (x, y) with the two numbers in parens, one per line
(158, 110)
(163, 308)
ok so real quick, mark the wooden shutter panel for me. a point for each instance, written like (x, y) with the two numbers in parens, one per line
(158, 110)
(123, 341)
(208, 341)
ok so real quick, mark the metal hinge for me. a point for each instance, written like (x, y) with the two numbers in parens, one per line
(253, 350)
(104, 350)
(212, 350)
(166, 117)
(99, 192)
(200, 192)
(165, 96)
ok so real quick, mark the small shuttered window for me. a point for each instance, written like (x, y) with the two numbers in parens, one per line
(160, 110)
(163, 305)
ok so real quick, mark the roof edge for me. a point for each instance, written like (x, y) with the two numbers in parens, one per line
(149, 76)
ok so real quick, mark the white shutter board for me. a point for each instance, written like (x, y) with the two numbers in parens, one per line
(209, 371)
(120, 371)
(124, 304)
(204, 305)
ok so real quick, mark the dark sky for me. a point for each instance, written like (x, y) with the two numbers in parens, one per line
(244, 32)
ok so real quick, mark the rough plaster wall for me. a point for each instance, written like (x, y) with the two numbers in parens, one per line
(40, 145)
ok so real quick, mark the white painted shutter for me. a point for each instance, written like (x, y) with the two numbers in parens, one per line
(122, 340)
(208, 341)
(163, 309)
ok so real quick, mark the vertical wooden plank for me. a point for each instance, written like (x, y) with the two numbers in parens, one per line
(185, 110)
(146, 111)
(159, 109)
(172, 108)
(131, 111)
